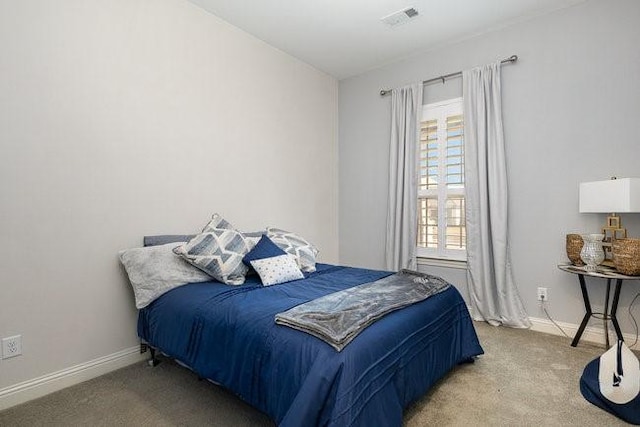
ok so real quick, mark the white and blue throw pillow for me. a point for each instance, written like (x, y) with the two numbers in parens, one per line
(277, 269)
(303, 251)
(219, 251)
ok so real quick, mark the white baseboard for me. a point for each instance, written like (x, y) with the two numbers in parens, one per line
(38, 387)
(591, 334)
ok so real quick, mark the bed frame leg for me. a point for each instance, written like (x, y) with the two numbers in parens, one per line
(153, 361)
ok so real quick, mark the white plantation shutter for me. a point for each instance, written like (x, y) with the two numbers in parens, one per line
(441, 203)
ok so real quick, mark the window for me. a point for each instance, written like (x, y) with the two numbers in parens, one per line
(441, 218)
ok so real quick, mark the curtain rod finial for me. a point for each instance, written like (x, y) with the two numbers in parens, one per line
(383, 92)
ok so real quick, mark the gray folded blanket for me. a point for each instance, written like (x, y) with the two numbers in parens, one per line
(339, 317)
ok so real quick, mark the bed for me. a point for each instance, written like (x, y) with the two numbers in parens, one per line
(227, 334)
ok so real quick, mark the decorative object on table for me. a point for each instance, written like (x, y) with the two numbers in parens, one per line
(626, 256)
(574, 246)
(592, 253)
(612, 196)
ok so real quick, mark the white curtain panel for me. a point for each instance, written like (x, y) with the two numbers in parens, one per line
(406, 109)
(493, 294)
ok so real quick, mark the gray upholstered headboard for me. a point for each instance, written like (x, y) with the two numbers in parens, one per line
(171, 238)
(166, 238)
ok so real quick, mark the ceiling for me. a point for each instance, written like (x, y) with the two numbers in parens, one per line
(346, 37)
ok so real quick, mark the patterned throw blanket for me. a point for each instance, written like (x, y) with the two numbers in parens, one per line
(339, 317)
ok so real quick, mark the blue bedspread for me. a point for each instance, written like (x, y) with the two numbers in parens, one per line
(228, 334)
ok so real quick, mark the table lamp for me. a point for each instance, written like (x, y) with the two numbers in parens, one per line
(612, 196)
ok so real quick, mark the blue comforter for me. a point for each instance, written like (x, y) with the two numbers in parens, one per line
(228, 334)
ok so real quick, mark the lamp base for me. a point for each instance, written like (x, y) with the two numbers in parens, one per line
(612, 232)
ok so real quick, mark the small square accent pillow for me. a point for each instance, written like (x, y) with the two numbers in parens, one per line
(278, 269)
(303, 251)
(218, 252)
(264, 249)
(156, 270)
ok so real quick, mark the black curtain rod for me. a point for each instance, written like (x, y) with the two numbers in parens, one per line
(512, 58)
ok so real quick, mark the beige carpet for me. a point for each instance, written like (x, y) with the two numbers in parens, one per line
(524, 379)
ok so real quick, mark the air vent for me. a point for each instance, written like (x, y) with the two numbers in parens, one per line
(400, 17)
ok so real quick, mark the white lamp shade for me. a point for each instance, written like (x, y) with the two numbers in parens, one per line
(611, 196)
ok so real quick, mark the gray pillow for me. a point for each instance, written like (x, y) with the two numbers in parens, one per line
(155, 270)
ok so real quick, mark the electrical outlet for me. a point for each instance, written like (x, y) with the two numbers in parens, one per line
(11, 346)
(542, 295)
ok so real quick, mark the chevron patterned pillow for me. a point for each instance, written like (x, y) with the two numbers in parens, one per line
(295, 245)
(217, 222)
(218, 252)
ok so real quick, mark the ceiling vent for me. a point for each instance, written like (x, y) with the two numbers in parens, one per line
(400, 17)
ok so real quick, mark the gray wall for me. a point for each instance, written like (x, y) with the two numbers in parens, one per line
(571, 107)
(122, 118)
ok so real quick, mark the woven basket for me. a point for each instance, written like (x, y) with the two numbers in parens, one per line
(574, 246)
(626, 256)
